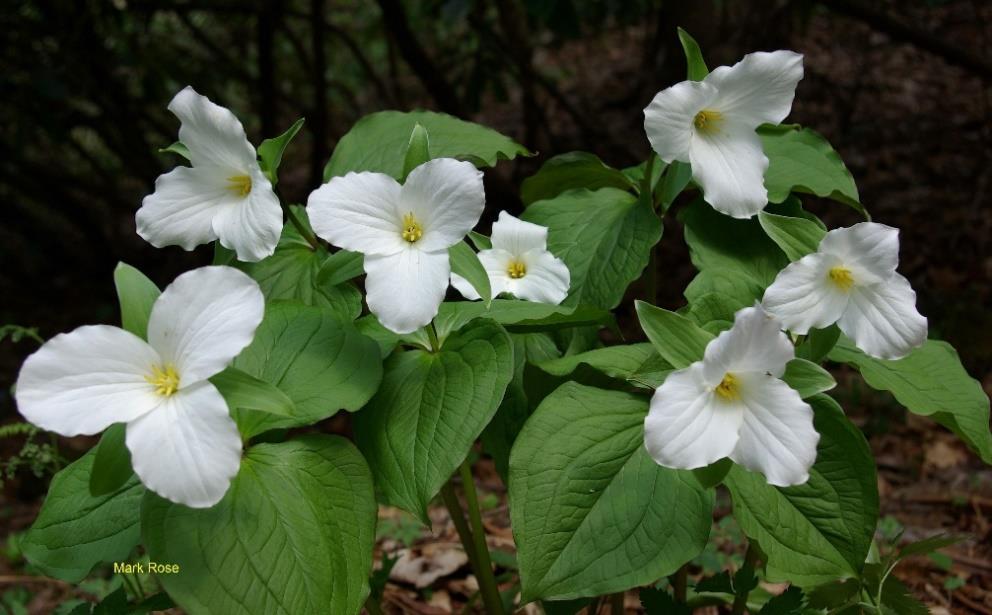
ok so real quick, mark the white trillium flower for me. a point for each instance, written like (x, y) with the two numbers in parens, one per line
(733, 404)
(711, 125)
(404, 231)
(184, 444)
(519, 264)
(224, 195)
(851, 279)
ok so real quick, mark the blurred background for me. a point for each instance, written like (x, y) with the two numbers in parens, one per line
(901, 88)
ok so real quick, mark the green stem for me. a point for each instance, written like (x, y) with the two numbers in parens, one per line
(487, 582)
(137, 583)
(740, 599)
(616, 604)
(300, 228)
(126, 580)
(372, 606)
(680, 583)
(432, 334)
(647, 189)
(457, 515)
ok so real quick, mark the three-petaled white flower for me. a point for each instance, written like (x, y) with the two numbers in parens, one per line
(184, 444)
(851, 279)
(224, 195)
(519, 264)
(733, 404)
(711, 125)
(404, 231)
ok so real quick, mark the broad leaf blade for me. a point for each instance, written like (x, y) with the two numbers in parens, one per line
(136, 295)
(570, 171)
(807, 378)
(796, 236)
(675, 337)
(244, 391)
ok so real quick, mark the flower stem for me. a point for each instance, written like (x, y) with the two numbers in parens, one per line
(488, 590)
(300, 228)
(680, 583)
(616, 604)
(372, 606)
(432, 334)
(647, 192)
(487, 581)
(740, 599)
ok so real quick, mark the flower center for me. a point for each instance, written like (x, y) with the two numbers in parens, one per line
(729, 388)
(841, 276)
(516, 270)
(708, 121)
(164, 379)
(239, 185)
(412, 231)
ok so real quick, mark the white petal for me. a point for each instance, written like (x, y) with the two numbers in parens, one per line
(869, 249)
(777, 437)
(447, 197)
(516, 236)
(668, 119)
(754, 344)
(464, 287)
(546, 281)
(729, 165)
(213, 135)
(251, 226)
(204, 319)
(359, 212)
(188, 449)
(882, 319)
(687, 427)
(496, 263)
(758, 89)
(405, 289)
(181, 210)
(803, 297)
(84, 381)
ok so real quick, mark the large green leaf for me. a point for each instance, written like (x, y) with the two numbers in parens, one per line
(75, 531)
(605, 237)
(242, 390)
(820, 531)
(796, 236)
(294, 534)
(112, 463)
(136, 295)
(676, 338)
(801, 160)
(321, 363)
(524, 316)
(430, 408)
(637, 363)
(807, 378)
(293, 273)
(930, 382)
(569, 171)
(591, 512)
(721, 242)
(378, 142)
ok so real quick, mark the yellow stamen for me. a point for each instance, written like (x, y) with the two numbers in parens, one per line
(708, 121)
(516, 270)
(729, 388)
(165, 380)
(239, 184)
(841, 276)
(412, 231)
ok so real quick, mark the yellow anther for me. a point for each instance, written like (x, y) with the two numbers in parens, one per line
(239, 184)
(707, 120)
(516, 270)
(164, 379)
(841, 276)
(729, 388)
(412, 231)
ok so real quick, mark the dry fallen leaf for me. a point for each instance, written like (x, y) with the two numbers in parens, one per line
(424, 565)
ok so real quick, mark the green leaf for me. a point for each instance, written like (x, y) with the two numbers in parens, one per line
(713, 474)
(796, 236)
(271, 150)
(928, 545)
(731, 245)
(591, 512)
(696, 66)
(675, 337)
(321, 363)
(605, 237)
(294, 534)
(570, 171)
(677, 177)
(136, 295)
(75, 531)
(630, 362)
(243, 391)
(341, 267)
(293, 273)
(418, 150)
(430, 408)
(465, 262)
(819, 531)
(521, 316)
(801, 160)
(112, 464)
(481, 242)
(178, 148)
(807, 378)
(818, 344)
(930, 382)
(377, 142)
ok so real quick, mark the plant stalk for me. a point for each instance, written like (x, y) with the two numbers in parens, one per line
(616, 604)
(740, 599)
(487, 580)
(680, 583)
(372, 606)
(432, 334)
(300, 228)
